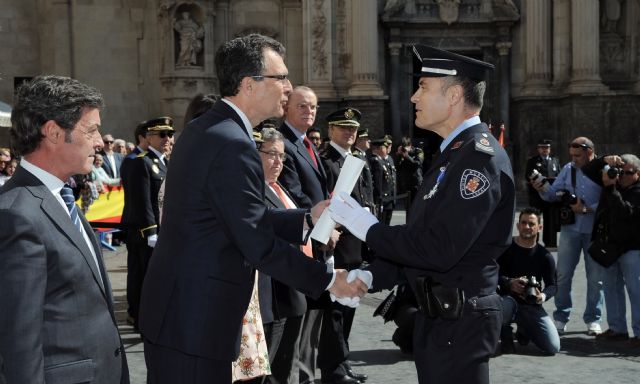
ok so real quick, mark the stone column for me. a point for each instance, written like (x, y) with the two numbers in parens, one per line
(365, 49)
(561, 42)
(504, 66)
(394, 89)
(585, 48)
(318, 51)
(538, 47)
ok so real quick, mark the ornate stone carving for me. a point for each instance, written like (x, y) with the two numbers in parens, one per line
(449, 10)
(190, 34)
(319, 39)
(610, 11)
(344, 56)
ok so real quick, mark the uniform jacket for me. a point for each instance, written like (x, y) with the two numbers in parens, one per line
(461, 221)
(143, 183)
(56, 310)
(548, 168)
(277, 300)
(216, 230)
(124, 179)
(366, 181)
(348, 250)
(384, 179)
(409, 170)
(106, 164)
(306, 183)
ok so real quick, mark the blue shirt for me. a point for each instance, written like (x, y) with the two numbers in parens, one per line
(586, 190)
(475, 120)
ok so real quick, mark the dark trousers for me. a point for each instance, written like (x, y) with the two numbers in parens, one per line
(282, 337)
(458, 351)
(138, 256)
(386, 211)
(333, 350)
(169, 366)
(308, 346)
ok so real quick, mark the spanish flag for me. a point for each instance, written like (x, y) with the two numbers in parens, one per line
(108, 207)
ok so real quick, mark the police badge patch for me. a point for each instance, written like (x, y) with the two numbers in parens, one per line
(473, 184)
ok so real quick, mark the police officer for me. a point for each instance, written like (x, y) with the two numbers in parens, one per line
(548, 167)
(384, 179)
(144, 176)
(359, 150)
(460, 224)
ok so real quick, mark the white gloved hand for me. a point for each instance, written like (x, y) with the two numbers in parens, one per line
(346, 211)
(353, 302)
(152, 240)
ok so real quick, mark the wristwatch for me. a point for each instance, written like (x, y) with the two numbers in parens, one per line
(584, 210)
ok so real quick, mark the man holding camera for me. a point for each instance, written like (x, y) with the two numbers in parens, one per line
(616, 224)
(523, 267)
(579, 196)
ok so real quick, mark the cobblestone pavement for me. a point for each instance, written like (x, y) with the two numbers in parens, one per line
(582, 360)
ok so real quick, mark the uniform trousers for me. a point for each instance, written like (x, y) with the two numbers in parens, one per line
(309, 339)
(458, 351)
(138, 255)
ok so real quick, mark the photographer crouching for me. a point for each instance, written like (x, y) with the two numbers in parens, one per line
(524, 266)
(615, 242)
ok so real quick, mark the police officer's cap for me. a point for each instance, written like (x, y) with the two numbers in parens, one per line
(436, 62)
(544, 143)
(159, 124)
(388, 140)
(379, 142)
(257, 137)
(363, 133)
(345, 117)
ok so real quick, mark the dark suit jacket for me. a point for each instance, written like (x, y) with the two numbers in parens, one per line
(548, 168)
(277, 300)
(216, 229)
(348, 251)
(124, 180)
(56, 317)
(144, 179)
(304, 182)
(106, 165)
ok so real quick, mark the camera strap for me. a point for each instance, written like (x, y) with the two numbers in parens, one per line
(573, 180)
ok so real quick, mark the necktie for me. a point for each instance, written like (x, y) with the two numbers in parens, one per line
(307, 144)
(306, 248)
(67, 196)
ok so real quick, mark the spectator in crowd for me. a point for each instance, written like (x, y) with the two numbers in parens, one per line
(130, 147)
(57, 323)
(547, 167)
(101, 178)
(200, 104)
(384, 179)
(313, 134)
(9, 168)
(409, 170)
(120, 146)
(524, 268)
(5, 156)
(579, 196)
(616, 227)
(112, 159)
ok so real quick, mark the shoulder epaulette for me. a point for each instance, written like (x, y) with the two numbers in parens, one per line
(142, 154)
(482, 143)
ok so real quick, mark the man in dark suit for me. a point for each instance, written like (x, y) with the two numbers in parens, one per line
(549, 167)
(461, 222)
(144, 177)
(304, 177)
(112, 159)
(216, 229)
(57, 323)
(337, 318)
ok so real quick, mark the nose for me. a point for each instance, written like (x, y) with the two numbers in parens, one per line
(414, 97)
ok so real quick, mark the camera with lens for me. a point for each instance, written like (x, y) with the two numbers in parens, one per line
(613, 172)
(536, 177)
(567, 216)
(531, 286)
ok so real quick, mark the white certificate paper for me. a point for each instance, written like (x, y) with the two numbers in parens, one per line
(347, 179)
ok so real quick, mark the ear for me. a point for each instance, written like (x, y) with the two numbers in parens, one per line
(455, 94)
(246, 84)
(52, 131)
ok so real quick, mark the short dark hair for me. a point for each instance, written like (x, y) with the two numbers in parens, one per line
(473, 90)
(240, 58)
(531, 211)
(200, 104)
(406, 141)
(45, 98)
(311, 130)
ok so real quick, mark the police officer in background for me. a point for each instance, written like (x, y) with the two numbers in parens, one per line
(460, 224)
(384, 178)
(548, 167)
(143, 180)
(360, 150)
(409, 160)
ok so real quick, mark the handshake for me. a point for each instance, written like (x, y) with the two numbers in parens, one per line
(349, 287)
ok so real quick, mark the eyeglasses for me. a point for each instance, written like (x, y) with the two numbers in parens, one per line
(273, 154)
(281, 78)
(108, 141)
(579, 145)
(162, 134)
(310, 106)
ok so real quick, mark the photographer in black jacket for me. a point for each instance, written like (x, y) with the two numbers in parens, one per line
(616, 224)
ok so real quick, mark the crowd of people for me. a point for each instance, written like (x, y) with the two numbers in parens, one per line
(213, 307)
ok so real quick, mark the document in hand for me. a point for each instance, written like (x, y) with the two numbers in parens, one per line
(347, 179)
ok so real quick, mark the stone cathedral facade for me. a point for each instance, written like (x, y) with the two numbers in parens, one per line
(564, 68)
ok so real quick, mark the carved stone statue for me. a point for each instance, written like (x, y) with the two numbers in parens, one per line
(191, 34)
(448, 10)
(611, 15)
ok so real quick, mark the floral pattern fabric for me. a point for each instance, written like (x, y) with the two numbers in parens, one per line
(253, 360)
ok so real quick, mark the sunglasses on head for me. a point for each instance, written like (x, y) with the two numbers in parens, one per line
(579, 145)
(162, 134)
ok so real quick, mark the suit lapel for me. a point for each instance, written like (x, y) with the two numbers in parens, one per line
(273, 198)
(302, 150)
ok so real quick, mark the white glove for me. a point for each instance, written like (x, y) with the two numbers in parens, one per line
(353, 302)
(346, 211)
(152, 240)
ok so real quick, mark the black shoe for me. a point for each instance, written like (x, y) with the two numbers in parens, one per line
(337, 379)
(358, 376)
(506, 340)
(521, 338)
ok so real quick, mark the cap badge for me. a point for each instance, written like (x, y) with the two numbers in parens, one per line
(348, 114)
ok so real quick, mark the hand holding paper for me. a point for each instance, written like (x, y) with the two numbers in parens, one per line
(346, 211)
